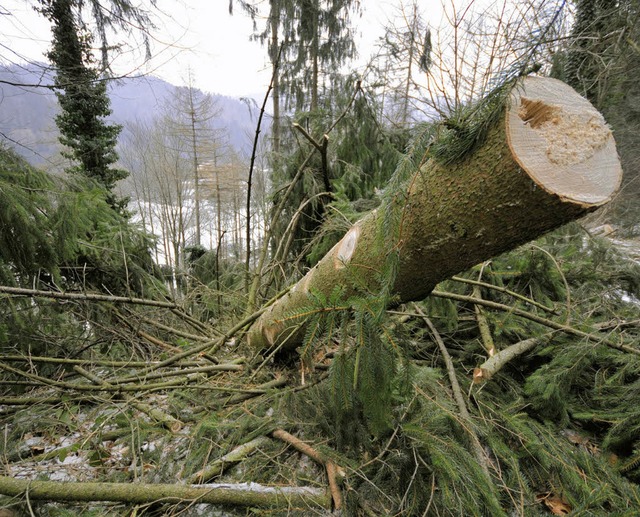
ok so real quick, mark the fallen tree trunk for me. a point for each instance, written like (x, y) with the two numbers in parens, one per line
(246, 494)
(550, 160)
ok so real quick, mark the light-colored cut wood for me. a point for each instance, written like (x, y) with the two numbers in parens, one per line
(563, 142)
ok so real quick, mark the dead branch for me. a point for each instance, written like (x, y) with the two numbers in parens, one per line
(245, 494)
(494, 364)
(505, 291)
(171, 423)
(218, 466)
(334, 473)
(34, 293)
(538, 319)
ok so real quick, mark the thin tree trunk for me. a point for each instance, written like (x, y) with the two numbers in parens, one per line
(275, 51)
(141, 493)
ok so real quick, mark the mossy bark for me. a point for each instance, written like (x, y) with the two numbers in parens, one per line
(458, 215)
(234, 495)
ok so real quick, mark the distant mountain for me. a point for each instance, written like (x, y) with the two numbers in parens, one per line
(28, 106)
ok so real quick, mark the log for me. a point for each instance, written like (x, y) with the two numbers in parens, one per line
(550, 160)
(245, 494)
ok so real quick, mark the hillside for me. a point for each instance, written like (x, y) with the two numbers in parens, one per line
(28, 107)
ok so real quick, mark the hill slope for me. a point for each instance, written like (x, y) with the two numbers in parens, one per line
(28, 107)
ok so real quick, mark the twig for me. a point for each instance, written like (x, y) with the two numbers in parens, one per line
(538, 319)
(505, 291)
(457, 393)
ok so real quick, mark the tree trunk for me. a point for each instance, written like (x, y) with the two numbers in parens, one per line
(250, 494)
(550, 160)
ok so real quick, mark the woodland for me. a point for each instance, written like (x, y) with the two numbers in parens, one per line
(417, 294)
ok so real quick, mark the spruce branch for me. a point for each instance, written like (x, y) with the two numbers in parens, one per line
(171, 423)
(171, 330)
(538, 319)
(211, 347)
(261, 389)
(457, 393)
(231, 458)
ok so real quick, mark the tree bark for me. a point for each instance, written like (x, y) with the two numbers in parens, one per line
(247, 494)
(550, 160)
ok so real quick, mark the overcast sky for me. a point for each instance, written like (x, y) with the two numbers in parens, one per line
(199, 34)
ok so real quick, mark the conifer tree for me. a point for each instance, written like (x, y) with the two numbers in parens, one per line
(83, 99)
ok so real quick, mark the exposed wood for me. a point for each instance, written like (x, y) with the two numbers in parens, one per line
(534, 172)
(334, 473)
(495, 363)
(483, 324)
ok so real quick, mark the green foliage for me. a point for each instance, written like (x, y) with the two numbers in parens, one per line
(24, 198)
(84, 103)
(60, 234)
(366, 376)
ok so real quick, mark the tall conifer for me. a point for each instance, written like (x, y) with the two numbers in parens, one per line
(84, 104)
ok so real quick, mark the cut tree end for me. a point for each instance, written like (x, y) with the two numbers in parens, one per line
(562, 142)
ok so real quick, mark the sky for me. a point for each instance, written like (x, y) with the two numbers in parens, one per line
(195, 35)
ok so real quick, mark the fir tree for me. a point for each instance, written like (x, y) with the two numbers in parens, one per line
(83, 99)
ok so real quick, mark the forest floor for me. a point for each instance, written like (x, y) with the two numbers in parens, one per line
(203, 410)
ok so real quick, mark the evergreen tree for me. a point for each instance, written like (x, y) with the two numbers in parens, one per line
(601, 62)
(316, 35)
(83, 99)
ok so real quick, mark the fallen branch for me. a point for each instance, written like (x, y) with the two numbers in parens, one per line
(168, 421)
(180, 333)
(34, 293)
(258, 390)
(210, 347)
(246, 494)
(538, 319)
(494, 364)
(236, 455)
(504, 290)
(334, 473)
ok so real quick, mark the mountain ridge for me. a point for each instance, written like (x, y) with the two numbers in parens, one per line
(28, 106)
